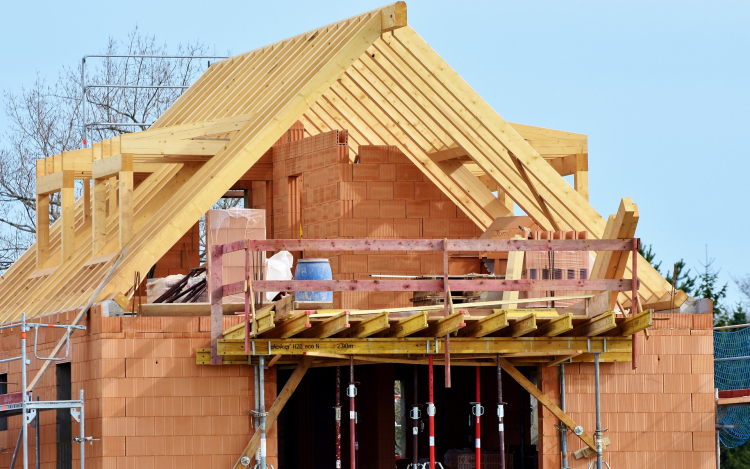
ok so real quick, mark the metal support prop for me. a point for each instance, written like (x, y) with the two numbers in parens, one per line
(83, 433)
(718, 438)
(415, 423)
(500, 412)
(338, 417)
(25, 395)
(257, 407)
(598, 434)
(351, 392)
(477, 410)
(262, 413)
(563, 428)
(431, 416)
(36, 431)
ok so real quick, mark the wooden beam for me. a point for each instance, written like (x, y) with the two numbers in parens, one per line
(447, 325)
(290, 327)
(276, 407)
(581, 175)
(521, 327)
(475, 188)
(487, 325)
(99, 216)
(86, 200)
(328, 327)
(366, 328)
(544, 400)
(50, 183)
(393, 16)
(594, 326)
(419, 345)
(564, 358)
(513, 271)
(125, 178)
(42, 230)
(539, 199)
(556, 326)
(633, 324)
(68, 216)
(407, 326)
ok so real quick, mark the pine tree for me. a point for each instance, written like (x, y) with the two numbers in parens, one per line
(685, 281)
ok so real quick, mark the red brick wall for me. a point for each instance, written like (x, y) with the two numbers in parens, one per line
(661, 415)
(146, 399)
(383, 196)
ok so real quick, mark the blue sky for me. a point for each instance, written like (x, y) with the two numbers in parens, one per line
(660, 88)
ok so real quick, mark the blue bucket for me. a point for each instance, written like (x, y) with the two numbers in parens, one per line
(313, 269)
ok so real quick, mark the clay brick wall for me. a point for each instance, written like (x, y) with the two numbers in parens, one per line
(146, 400)
(184, 255)
(661, 415)
(384, 196)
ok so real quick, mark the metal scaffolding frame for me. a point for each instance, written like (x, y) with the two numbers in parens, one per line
(85, 87)
(22, 402)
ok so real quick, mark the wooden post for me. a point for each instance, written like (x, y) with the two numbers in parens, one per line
(112, 187)
(67, 210)
(99, 216)
(513, 272)
(86, 200)
(42, 229)
(216, 293)
(581, 175)
(126, 199)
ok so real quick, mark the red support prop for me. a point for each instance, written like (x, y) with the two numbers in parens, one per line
(477, 427)
(431, 418)
(447, 311)
(338, 417)
(415, 422)
(247, 302)
(352, 416)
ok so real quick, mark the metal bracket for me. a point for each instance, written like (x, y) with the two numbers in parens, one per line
(76, 415)
(415, 414)
(351, 391)
(430, 409)
(30, 416)
(245, 461)
(90, 439)
(477, 409)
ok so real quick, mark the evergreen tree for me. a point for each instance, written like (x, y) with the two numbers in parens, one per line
(685, 281)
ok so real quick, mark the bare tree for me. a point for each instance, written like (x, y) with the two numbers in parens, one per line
(743, 283)
(46, 119)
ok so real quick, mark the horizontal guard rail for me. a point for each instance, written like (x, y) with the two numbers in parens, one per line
(429, 245)
(429, 285)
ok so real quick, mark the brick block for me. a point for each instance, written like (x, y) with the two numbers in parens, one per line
(434, 228)
(365, 172)
(393, 209)
(395, 155)
(459, 228)
(426, 191)
(365, 208)
(417, 209)
(352, 190)
(409, 172)
(388, 172)
(373, 154)
(403, 190)
(352, 228)
(380, 227)
(380, 190)
(407, 228)
(442, 209)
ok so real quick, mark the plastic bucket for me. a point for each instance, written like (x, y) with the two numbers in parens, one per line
(313, 269)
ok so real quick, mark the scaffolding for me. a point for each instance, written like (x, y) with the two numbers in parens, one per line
(22, 403)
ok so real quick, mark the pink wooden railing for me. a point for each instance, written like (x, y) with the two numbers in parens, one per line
(218, 289)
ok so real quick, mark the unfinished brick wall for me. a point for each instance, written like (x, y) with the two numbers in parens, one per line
(318, 193)
(146, 400)
(661, 415)
(183, 256)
